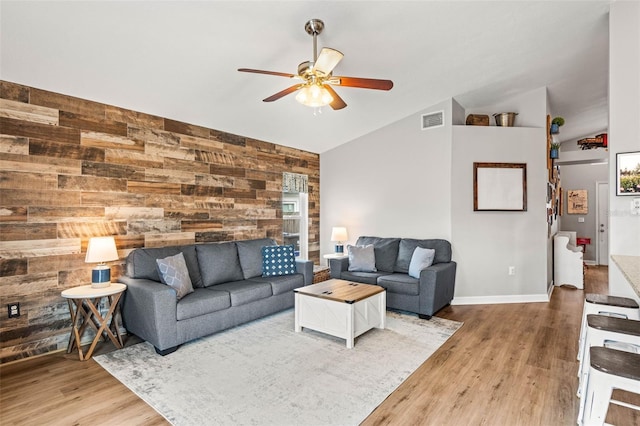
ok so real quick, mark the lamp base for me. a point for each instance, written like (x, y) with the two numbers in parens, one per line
(101, 285)
(101, 276)
(339, 248)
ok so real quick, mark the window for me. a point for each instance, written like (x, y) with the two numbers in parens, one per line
(295, 213)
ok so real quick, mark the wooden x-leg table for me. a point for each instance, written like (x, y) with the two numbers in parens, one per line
(84, 304)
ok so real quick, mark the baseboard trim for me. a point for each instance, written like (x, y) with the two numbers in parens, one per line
(495, 300)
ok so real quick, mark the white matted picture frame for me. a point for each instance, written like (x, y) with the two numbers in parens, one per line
(628, 173)
(500, 187)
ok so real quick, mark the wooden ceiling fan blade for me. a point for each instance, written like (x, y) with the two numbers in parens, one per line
(364, 83)
(338, 102)
(327, 60)
(280, 74)
(282, 93)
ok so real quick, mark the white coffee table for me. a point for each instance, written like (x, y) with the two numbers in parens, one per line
(340, 308)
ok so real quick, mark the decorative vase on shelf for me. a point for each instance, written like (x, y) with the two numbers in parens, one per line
(553, 153)
(556, 123)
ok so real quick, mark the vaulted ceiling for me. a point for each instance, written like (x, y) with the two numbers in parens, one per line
(179, 59)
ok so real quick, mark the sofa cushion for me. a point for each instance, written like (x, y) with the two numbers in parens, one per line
(400, 283)
(283, 283)
(201, 302)
(408, 245)
(422, 258)
(173, 272)
(250, 254)
(141, 263)
(362, 277)
(362, 258)
(386, 251)
(278, 260)
(219, 263)
(246, 291)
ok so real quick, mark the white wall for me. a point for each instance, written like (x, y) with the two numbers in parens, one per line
(407, 182)
(532, 112)
(487, 243)
(395, 182)
(624, 130)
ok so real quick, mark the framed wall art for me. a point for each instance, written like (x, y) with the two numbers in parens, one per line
(577, 201)
(628, 173)
(499, 187)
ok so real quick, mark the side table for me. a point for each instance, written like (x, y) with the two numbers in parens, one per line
(330, 256)
(83, 307)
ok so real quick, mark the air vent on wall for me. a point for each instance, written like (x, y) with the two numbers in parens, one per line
(433, 119)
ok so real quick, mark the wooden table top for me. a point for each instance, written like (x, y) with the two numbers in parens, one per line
(340, 290)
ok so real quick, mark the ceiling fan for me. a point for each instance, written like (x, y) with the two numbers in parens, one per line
(317, 76)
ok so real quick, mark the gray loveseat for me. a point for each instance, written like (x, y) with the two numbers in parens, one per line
(229, 290)
(424, 296)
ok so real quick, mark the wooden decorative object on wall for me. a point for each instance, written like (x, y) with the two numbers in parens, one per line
(549, 160)
(477, 120)
(560, 201)
(578, 202)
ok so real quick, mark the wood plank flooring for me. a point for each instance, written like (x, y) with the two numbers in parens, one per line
(512, 364)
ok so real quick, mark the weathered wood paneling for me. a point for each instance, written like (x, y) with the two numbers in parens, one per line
(28, 112)
(71, 169)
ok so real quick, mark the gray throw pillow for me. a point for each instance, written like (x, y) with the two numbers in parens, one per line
(174, 273)
(250, 254)
(385, 251)
(422, 258)
(219, 263)
(362, 259)
(141, 262)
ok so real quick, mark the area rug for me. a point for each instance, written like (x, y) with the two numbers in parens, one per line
(263, 373)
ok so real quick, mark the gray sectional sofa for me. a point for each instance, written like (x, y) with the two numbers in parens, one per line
(424, 296)
(229, 290)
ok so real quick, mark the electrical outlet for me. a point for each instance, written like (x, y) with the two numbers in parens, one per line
(635, 206)
(13, 310)
(512, 270)
(581, 219)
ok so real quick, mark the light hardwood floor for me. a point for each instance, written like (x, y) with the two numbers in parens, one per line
(511, 364)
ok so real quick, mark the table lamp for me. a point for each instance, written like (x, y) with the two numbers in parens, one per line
(101, 250)
(339, 235)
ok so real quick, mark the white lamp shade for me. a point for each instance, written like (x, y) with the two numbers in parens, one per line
(101, 249)
(339, 234)
(327, 60)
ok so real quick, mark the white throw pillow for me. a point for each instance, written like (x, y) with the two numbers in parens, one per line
(174, 273)
(422, 258)
(362, 259)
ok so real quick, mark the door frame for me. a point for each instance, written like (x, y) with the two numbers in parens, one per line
(597, 232)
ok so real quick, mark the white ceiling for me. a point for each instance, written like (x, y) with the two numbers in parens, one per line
(179, 59)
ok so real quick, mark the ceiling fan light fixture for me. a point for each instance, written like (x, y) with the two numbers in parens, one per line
(327, 61)
(317, 77)
(314, 95)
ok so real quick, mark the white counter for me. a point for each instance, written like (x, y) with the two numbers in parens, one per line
(630, 268)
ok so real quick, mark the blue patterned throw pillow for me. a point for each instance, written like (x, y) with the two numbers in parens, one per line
(278, 260)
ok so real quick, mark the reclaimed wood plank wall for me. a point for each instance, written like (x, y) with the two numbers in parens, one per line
(71, 169)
